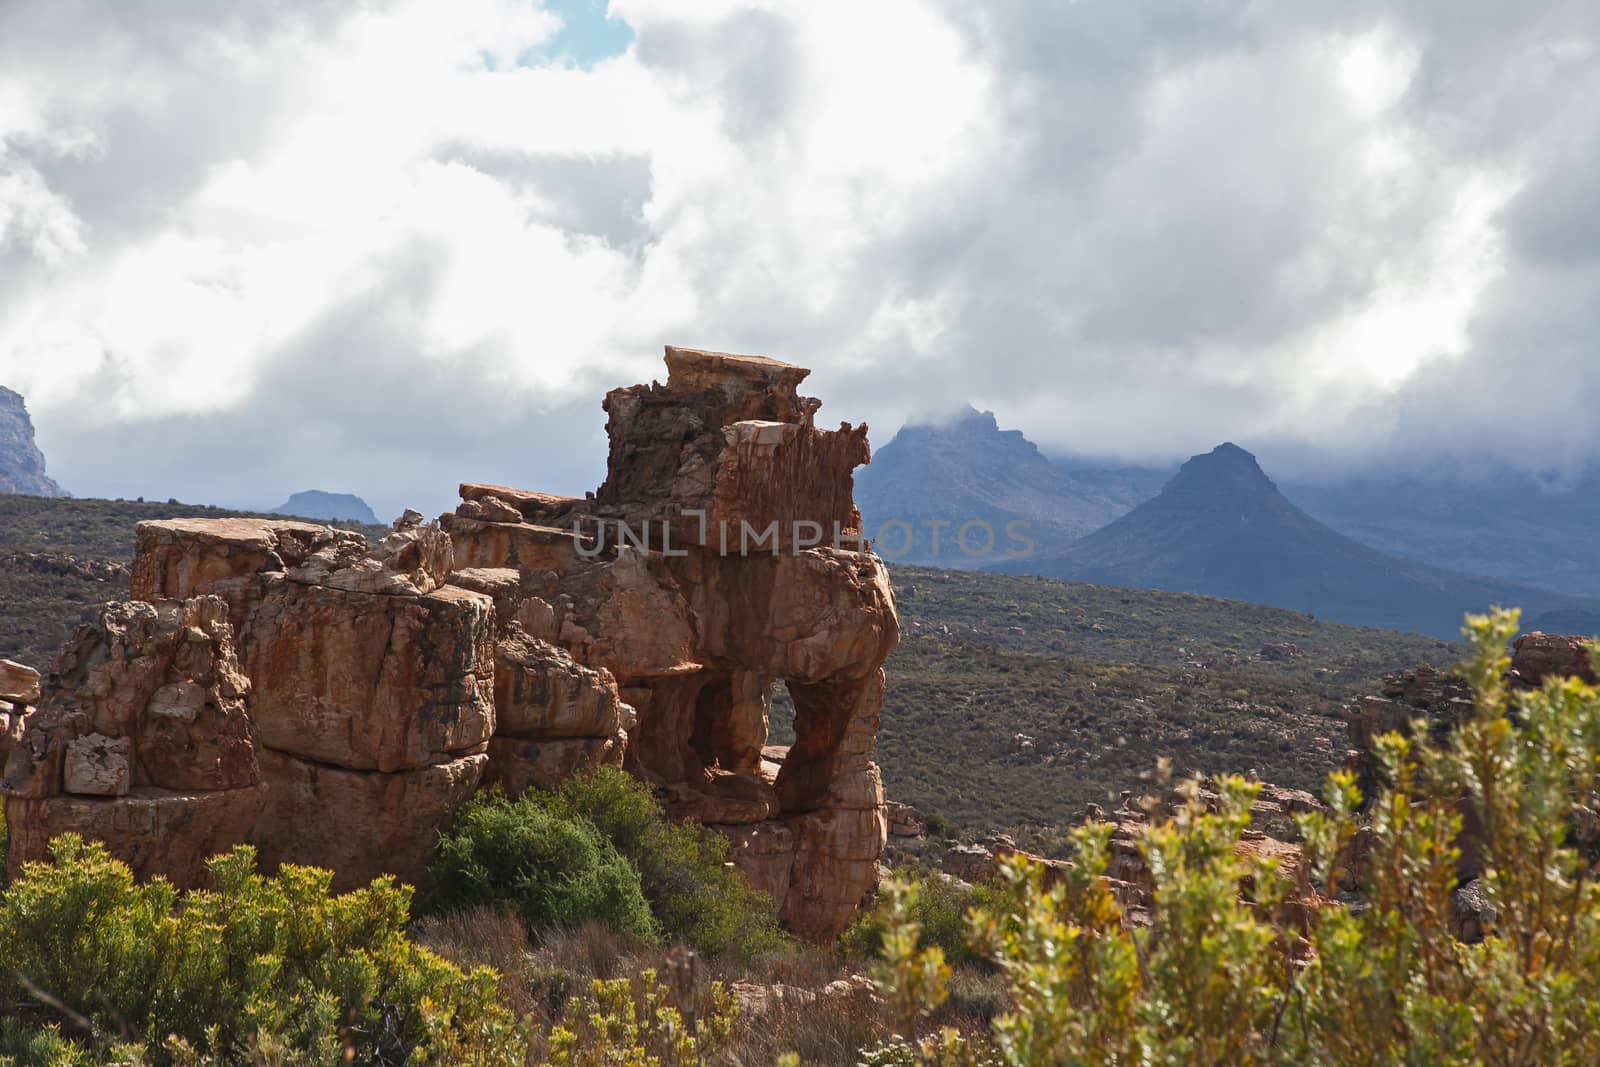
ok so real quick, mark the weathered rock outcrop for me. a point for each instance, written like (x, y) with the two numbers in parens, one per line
(285, 683)
(721, 555)
(1537, 656)
(142, 739)
(19, 691)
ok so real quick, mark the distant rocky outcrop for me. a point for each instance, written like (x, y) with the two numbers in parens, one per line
(328, 507)
(285, 683)
(1221, 528)
(21, 462)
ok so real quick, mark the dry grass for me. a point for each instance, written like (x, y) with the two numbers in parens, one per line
(537, 979)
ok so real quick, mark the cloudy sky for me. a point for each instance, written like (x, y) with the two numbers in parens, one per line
(383, 246)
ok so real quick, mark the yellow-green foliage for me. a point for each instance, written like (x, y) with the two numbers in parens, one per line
(626, 1023)
(269, 970)
(1218, 977)
(938, 904)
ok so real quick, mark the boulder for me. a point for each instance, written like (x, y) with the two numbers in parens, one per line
(177, 558)
(156, 832)
(370, 681)
(99, 766)
(18, 684)
(360, 824)
(540, 691)
(1538, 656)
(970, 863)
(413, 559)
(905, 820)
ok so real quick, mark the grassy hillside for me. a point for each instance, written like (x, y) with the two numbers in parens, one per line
(52, 556)
(1099, 682)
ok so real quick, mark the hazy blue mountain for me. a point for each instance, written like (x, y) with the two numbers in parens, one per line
(968, 470)
(1221, 527)
(1500, 524)
(329, 507)
(21, 462)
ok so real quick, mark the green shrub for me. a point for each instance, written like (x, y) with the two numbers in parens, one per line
(554, 870)
(1220, 974)
(939, 907)
(694, 895)
(253, 970)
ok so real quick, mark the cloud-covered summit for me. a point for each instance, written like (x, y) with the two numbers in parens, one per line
(403, 243)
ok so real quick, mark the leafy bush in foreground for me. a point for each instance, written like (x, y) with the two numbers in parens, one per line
(938, 904)
(680, 868)
(1220, 977)
(555, 871)
(695, 895)
(256, 969)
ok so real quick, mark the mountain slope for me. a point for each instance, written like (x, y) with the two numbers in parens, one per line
(1498, 523)
(21, 462)
(1221, 528)
(970, 470)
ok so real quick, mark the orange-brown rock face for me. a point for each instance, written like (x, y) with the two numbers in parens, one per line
(721, 555)
(181, 557)
(335, 702)
(360, 824)
(156, 832)
(1538, 656)
(726, 455)
(143, 729)
(371, 681)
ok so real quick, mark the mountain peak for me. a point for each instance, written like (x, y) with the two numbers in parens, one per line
(967, 419)
(1225, 468)
(21, 462)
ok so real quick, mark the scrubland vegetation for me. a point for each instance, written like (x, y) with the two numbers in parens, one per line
(581, 928)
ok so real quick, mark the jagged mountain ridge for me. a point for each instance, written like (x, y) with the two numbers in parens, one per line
(21, 463)
(968, 469)
(1221, 527)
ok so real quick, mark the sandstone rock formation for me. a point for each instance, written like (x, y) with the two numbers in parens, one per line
(1537, 656)
(721, 555)
(284, 683)
(19, 690)
(142, 739)
(18, 683)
